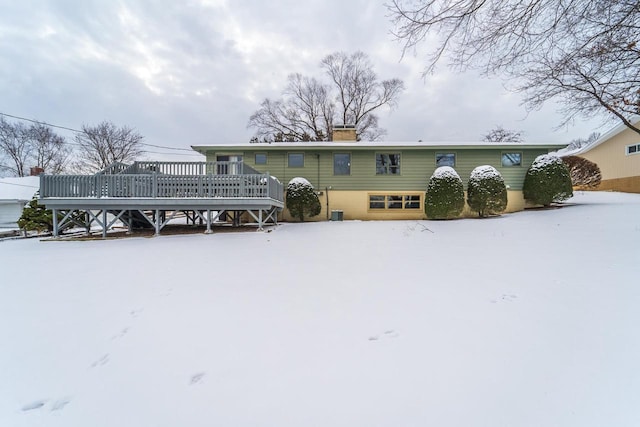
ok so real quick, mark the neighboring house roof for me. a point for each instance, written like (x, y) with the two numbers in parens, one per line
(607, 136)
(19, 189)
(368, 145)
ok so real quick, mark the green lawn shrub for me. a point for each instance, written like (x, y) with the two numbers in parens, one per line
(547, 181)
(486, 192)
(301, 199)
(445, 194)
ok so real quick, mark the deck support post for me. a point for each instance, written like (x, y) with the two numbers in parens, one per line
(260, 227)
(87, 223)
(157, 221)
(129, 222)
(208, 222)
(55, 222)
(104, 224)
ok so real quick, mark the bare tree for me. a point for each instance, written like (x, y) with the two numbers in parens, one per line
(26, 146)
(309, 108)
(581, 142)
(15, 148)
(101, 145)
(499, 134)
(305, 112)
(359, 91)
(585, 54)
(48, 150)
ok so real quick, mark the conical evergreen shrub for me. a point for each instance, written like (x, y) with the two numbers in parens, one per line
(36, 217)
(547, 181)
(445, 194)
(486, 192)
(301, 199)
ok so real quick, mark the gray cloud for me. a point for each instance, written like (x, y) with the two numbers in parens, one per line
(186, 73)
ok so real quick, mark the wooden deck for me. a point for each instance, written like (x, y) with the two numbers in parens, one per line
(154, 188)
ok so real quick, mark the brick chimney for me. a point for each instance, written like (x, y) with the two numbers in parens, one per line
(342, 133)
(36, 170)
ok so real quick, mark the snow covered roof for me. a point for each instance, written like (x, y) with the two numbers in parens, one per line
(607, 136)
(19, 189)
(378, 145)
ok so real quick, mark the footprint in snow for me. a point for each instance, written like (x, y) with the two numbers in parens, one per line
(387, 334)
(36, 404)
(196, 378)
(122, 333)
(59, 404)
(101, 362)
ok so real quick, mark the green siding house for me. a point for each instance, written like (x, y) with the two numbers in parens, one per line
(381, 180)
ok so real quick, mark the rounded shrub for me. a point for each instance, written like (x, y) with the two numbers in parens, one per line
(445, 194)
(301, 199)
(584, 173)
(486, 192)
(547, 181)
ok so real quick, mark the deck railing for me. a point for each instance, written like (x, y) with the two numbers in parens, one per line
(155, 185)
(181, 168)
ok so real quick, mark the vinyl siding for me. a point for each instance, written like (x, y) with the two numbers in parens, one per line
(416, 167)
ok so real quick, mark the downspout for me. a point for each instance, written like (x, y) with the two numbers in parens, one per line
(326, 191)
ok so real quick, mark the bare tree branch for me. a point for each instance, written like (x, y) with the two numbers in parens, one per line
(101, 145)
(583, 53)
(499, 134)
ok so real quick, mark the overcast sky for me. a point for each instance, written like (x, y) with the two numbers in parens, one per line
(192, 72)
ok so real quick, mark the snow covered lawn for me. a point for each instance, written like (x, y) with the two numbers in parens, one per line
(529, 319)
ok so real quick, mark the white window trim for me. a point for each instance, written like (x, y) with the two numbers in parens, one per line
(626, 149)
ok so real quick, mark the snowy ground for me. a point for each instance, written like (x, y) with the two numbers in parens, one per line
(529, 319)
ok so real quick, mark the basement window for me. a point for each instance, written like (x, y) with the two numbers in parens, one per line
(633, 149)
(394, 202)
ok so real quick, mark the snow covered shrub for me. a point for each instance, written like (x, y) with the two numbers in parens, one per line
(302, 200)
(36, 217)
(584, 173)
(445, 194)
(486, 193)
(547, 181)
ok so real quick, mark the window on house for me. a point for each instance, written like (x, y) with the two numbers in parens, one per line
(394, 202)
(228, 164)
(387, 164)
(342, 164)
(377, 202)
(295, 160)
(445, 159)
(261, 158)
(511, 159)
(633, 149)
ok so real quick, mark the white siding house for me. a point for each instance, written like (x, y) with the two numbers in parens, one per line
(14, 194)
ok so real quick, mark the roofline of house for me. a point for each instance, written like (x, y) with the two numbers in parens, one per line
(607, 135)
(354, 146)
